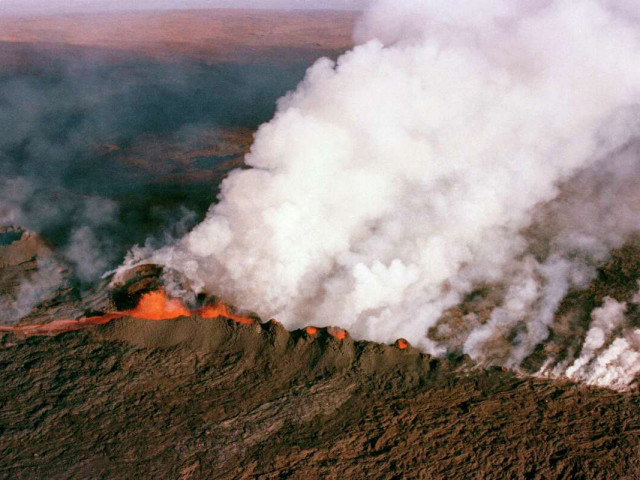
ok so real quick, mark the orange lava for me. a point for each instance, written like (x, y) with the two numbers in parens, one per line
(338, 333)
(221, 310)
(311, 330)
(157, 306)
(402, 344)
(152, 306)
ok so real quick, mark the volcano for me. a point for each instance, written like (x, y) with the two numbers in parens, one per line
(211, 393)
(196, 398)
(222, 256)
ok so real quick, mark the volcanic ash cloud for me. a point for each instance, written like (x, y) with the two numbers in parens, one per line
(393, 182)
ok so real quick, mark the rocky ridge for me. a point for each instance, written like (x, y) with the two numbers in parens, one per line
(195, 398)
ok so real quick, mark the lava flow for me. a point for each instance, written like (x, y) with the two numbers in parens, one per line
(152, 306)
(157, 306)
(221, 310)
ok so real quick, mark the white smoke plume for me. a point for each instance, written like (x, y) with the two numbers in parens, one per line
(605, 320)
(610, 354)
(619, 365)
(395, 181)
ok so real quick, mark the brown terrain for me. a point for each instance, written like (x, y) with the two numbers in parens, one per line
(195, 398)
(117, 381)
(208, 393)
(209, 35)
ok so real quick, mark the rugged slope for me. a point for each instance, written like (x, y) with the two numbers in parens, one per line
(194, 398)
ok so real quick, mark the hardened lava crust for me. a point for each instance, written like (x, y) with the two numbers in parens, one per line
(195, 398)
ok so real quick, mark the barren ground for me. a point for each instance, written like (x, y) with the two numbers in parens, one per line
(195, 398)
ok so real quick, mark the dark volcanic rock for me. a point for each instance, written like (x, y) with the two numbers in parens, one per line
(194, 398)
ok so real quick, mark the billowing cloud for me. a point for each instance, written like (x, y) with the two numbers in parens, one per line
(429, 161)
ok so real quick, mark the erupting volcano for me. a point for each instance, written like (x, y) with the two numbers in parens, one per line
(436, 185)
(437, 200)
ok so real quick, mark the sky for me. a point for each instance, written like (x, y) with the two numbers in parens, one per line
(66, 6)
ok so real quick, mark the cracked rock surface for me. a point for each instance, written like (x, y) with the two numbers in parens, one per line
(194, 398)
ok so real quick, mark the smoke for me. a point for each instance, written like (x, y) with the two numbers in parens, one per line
(30, 273)
(458, 146)
(39, 287)
(60, 112)
(610, 355)
(605, 319)
(102, 149)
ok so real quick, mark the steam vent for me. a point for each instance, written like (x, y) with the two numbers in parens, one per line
(338, 239)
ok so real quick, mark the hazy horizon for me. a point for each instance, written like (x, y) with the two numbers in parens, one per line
(35, 7)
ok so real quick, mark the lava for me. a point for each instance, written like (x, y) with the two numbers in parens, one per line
(337, 333)
(151, 306)
(157, 306)
(60, 326)
(221, 310)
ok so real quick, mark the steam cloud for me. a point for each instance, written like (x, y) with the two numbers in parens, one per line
(460, 145)
(62, 110)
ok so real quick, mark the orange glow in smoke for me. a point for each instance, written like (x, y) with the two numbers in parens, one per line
(402, 344)
(338, 333)
(311, 330)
